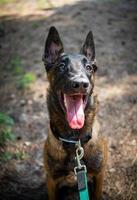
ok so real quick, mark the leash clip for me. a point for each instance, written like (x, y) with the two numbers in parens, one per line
(79, 156)
(81, 173)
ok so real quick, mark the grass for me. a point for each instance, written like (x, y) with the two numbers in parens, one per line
(26, 80)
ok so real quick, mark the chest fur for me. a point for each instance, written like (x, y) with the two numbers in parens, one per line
(61, 161)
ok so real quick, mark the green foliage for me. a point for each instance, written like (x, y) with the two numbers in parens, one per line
(5, 119)
(6, 135)
(16, 65)
(20, 155)
(6, 124)
(131, 69)
(15, 61)
(5, 156)
(23, 79)
(44, 4)
(35, 25)
(18, 70)
(6, 1)
(26, 80)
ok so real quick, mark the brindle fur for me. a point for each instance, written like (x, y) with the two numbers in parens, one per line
(60, 161)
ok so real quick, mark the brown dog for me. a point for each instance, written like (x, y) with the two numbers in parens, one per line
(72, 109)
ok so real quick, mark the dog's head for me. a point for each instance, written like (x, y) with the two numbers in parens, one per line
(71, 76)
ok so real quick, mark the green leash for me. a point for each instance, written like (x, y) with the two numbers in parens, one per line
(81, 173)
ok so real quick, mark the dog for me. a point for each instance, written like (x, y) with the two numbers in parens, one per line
(72, 108)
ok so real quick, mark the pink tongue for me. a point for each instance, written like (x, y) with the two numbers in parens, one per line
(75, 111)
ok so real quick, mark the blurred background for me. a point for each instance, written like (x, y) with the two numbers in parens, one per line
(24, 25)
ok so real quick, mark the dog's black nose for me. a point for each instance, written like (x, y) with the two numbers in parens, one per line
(80, 85)
(85, 85)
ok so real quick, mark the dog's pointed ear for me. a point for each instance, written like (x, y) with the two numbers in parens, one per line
(53, 47)
(88, 49)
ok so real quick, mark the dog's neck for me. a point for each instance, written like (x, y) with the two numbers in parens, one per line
(59, 124)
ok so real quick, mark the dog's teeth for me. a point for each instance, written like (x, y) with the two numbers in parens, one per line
(65, 102)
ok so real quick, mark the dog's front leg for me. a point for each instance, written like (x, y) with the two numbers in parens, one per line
(70, 180)
(51, 188)
(96, 158)
(99, 179)
(54, 186)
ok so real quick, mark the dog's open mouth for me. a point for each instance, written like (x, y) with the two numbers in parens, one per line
(74, 106)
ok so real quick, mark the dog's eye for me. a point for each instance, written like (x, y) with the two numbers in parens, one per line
(89, 68)
(61, 66)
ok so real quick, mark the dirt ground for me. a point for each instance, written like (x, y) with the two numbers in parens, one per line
(23, 28)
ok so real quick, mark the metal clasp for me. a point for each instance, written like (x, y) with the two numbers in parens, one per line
(79, 156)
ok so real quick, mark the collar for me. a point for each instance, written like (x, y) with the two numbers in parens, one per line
(68, 141)
(71, 141)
